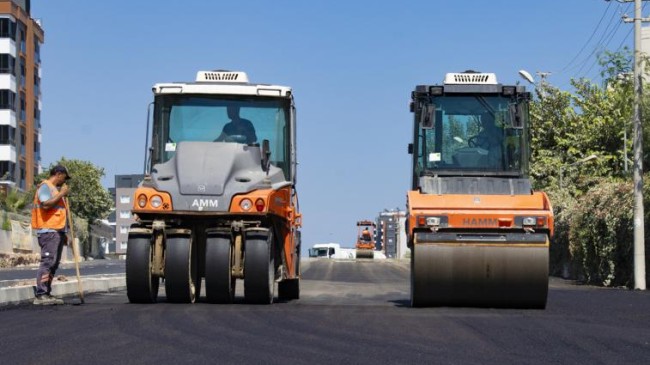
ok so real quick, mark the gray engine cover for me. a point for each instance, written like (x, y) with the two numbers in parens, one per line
(203, 176)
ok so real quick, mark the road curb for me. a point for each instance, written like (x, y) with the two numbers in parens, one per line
(90, 284)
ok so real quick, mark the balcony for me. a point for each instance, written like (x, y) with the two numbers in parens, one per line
(8, 117)
(7, 82)
(7, 153)
(8, 46)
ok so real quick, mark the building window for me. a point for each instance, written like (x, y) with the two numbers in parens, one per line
(7, 28)
(37, 50)
(125, 199)
(7, 134)
(37, 150)
(23, 112)
(22, 182)
(123, 245)
(37, 116)
(7, 100)
(21, 32)
(124, 229)
(22, 141)
(7, 170)
(37, 83)
(23, 73)
(125, 214)
(7, 64)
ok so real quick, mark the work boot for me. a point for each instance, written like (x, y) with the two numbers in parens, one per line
(46, 299)
(56, 300)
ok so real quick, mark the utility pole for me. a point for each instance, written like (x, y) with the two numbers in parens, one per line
(542, 82)
(639, 230)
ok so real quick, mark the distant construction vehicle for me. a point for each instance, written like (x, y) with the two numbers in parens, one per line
(218, 200)
(479, 235)
(365, 245)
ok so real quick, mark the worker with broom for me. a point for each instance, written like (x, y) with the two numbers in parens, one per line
(49, 218)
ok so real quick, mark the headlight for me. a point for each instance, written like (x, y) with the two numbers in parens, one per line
(529, 221)
(433, 221)
(142, 200)
(156, 201)
(246, 204)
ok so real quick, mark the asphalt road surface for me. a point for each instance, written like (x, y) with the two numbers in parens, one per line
(94, 267)
(349, 313)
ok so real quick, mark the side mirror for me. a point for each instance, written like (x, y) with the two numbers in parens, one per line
(410, 149)
(428, 116)
(266, 155)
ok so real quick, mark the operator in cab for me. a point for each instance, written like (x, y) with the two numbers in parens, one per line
(490, 138)
(238, 129)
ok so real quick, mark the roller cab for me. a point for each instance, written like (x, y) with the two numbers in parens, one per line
(478, 233)
(218, 203)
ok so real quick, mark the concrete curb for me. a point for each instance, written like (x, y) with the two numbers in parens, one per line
(90, 284)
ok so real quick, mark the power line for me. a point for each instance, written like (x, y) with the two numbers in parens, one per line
(602, 37)
(590, 38)
(603, 48)
(587, 73)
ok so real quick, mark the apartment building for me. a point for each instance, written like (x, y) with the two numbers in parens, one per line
(125, 186)
(21, 38)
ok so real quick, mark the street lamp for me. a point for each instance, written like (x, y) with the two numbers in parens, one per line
(527, 76)
(588, 158)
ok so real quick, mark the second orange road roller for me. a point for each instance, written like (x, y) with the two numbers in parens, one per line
(478, 232)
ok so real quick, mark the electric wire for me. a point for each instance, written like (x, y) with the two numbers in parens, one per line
(593, 33)
(603, 36)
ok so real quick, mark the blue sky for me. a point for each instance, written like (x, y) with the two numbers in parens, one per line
(352, 67)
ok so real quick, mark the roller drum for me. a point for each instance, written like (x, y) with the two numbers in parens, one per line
(483, 275)
(365, 254)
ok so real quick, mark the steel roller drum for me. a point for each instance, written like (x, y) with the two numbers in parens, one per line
(365, 254)
(479, 275)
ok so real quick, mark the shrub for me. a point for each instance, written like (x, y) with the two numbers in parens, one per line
(601, 234)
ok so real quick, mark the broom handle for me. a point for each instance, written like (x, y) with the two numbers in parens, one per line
(74, 249)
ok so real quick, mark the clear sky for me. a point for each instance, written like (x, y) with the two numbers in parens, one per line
(352, 65)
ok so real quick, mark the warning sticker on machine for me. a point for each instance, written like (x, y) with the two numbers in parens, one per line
(435, 157)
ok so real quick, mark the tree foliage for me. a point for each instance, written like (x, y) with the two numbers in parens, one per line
(593, 207)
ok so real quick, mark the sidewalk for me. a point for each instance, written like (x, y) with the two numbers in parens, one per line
(22, 290)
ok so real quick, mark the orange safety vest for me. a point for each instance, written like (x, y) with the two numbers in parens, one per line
(53, 218)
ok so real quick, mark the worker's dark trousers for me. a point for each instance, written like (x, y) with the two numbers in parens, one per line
(51, 247)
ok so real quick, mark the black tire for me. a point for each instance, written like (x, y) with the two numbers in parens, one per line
(180, 270)
(289, 289)
(141, 286)
(259, 268)
(219, 282)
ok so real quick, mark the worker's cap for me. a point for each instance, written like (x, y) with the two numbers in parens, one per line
(60, 168)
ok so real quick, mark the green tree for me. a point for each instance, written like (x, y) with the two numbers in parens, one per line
(566, 127)
(592, 209)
